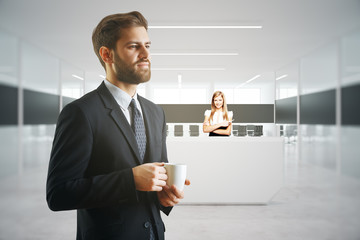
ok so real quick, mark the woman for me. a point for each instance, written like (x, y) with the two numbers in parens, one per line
(218, 120)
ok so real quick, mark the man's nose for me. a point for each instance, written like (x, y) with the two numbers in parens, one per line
(145, 53)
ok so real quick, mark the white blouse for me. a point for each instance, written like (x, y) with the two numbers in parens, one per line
(218, 116)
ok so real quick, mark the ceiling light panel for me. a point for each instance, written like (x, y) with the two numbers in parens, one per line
(188, 69)
(194, 54)
(207, 27)
(281, 77)
(76, 76)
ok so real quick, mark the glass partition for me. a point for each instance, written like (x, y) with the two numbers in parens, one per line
(287, 79)
(40, 70)
(319, 70)
(350, 95)
(318, 83)
(9, 131)
(286, 103)
(8, 59)
(72, 83)
(40, 73)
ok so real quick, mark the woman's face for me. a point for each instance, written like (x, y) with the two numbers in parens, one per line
(218, 102)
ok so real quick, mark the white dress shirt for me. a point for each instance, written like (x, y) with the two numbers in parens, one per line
(217, 117)
(123, 99)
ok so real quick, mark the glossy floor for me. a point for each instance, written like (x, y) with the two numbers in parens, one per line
(314, 203)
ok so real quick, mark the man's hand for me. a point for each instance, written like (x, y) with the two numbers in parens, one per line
(170, 196)
(150, 177)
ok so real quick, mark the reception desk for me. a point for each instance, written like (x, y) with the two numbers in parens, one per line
(230, 170)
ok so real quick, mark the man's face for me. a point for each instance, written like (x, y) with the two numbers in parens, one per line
(132, 56)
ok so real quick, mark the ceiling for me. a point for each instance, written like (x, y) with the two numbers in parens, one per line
(291, 29)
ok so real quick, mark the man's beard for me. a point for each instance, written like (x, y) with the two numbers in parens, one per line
(127, 72)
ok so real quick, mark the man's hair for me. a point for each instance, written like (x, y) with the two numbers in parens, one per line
(108, 31)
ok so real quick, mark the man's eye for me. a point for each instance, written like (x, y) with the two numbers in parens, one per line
(147, 46)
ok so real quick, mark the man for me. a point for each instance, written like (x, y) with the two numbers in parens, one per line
(110, 145)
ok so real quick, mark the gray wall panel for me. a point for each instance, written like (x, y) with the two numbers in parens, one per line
(285, 110)
(318, 108)
(350, 105)
(253, 113)
(8, 105)
(40, 108)
(243, 113)
(67, 100)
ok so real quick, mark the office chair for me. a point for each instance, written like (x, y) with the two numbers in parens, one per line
(178, 131)
(250, 130)
(194, 130)
(235, 130)
(258, 130)
(242, 130)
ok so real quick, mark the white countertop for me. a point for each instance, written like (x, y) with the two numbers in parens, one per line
(230, 170)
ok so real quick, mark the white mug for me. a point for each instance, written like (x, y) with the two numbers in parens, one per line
(176, 173)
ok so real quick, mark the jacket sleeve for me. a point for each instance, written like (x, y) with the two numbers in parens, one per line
(164, 158)
(67, 185)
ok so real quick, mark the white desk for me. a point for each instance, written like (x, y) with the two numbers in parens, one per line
(230, 170)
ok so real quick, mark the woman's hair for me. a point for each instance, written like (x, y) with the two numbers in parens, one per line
(108, 31)
(224, 107)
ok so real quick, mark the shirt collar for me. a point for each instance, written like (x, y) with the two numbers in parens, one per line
(121, 97)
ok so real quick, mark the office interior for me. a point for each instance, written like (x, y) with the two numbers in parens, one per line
(300, 84)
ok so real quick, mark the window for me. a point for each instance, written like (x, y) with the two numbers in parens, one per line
(287, 92)
(242, 95)
(247, 96)
(192, 96)
(179, 96)
(141, 92)
(72, 92)
(166, 95)
(229, 94)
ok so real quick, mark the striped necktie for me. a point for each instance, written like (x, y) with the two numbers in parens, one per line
(138, 128)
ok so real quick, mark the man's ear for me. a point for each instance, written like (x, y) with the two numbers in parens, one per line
(106, 55)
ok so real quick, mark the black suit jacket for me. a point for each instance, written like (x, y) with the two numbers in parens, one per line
(90, 169)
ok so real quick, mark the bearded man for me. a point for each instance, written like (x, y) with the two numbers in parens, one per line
(109, 147)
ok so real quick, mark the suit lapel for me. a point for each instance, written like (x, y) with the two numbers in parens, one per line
(119, 118)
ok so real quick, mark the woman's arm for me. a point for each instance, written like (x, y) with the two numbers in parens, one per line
(207, 128)
(226, 131)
